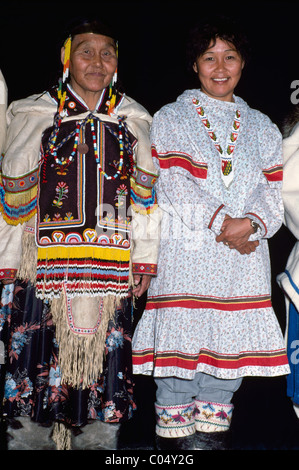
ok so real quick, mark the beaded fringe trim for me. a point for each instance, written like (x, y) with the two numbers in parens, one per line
(18, 208)
(27, 270)
(81, 356)
(62, 436)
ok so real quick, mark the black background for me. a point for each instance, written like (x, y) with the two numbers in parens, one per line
(152, 69)
(152, 47)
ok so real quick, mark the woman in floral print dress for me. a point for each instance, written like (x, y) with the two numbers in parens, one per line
(209, 320)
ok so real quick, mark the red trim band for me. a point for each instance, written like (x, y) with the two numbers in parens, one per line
(274, 173)
(182, 160)
(144, 268)
(9, 274)
(215, 215)
(190, 362)
(199, 302)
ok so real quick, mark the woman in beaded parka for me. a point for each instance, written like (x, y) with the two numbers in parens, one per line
(209, 319)
(78, 209)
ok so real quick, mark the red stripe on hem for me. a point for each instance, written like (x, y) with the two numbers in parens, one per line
(227, 307)
(191, 364)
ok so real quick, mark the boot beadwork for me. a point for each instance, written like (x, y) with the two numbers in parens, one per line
(175, 420)
(212, 417)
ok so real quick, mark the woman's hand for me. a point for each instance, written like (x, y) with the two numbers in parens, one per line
(235, 234)
(141, 283)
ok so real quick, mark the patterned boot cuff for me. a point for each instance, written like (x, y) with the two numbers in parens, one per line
(212, 417)
(175, 420)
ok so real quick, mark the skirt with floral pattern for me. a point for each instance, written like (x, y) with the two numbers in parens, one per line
(29, 374)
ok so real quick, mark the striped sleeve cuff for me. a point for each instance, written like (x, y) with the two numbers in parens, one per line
(216, 222)
(8, 274)
(144, 268)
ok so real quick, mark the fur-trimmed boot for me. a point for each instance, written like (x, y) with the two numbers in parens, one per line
(212, 423)
(175, 426)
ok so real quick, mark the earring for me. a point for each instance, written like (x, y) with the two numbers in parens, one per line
(112, 93)
(114, 79)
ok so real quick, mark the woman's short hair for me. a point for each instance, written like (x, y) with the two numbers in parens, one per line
(205, 33)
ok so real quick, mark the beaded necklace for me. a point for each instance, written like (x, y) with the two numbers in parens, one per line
(121, 148)
(63, 163)
(226, 158)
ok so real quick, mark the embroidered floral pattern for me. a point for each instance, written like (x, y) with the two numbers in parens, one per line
(68, 216)
(121, 194)
(62, 190)
(212, 416)
(175, 421)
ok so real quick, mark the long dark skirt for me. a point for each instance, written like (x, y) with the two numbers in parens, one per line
(30, 376)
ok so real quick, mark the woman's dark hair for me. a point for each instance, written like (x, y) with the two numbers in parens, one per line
(94, 25)
(203, 34)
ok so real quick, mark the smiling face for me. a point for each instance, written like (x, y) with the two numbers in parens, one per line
(93, 62)
(219, 70)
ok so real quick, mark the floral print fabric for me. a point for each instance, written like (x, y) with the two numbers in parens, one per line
(31, 375)
(209, 308)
